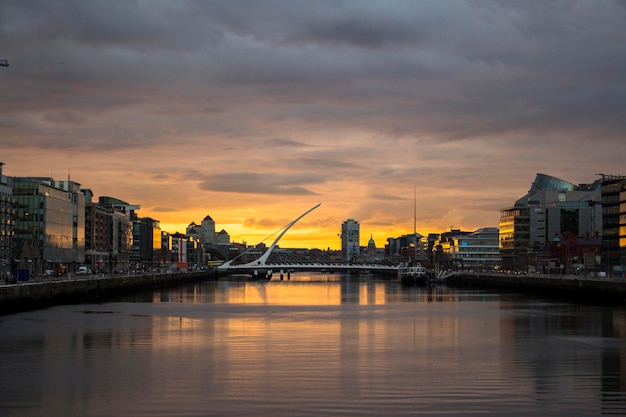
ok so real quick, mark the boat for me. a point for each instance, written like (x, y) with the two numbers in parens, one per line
(412, 274)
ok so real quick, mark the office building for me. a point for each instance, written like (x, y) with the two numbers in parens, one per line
(207, 232)
(97, 234)
(551, 208)
(122, 215)
(406, 248)
(614, 223)
(49, 224)
(6, 226)
(478, 250)
(149, 245)
(350, 236)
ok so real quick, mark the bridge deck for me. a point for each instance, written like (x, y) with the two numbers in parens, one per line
(312, 267)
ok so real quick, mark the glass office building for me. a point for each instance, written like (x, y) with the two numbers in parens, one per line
(550, 208)
(614, 223)
(52, 214)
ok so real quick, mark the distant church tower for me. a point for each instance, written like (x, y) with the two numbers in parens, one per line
(207, 231)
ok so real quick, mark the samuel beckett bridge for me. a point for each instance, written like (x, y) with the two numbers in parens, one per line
(261, 268)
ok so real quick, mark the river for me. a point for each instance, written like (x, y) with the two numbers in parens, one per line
(316, 345)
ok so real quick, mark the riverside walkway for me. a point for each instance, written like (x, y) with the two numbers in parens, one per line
(74, 289)
(578, 287)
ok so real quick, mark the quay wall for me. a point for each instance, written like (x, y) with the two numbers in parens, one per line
(576, 287)
(40, 294)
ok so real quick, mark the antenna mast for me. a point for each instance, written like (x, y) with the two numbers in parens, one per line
(414, 209)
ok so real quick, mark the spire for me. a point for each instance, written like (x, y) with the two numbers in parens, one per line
(414, 209)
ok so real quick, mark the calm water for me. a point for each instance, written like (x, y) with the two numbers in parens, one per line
(322, 345)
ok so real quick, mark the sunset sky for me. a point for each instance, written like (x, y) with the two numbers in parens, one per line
(254, 111)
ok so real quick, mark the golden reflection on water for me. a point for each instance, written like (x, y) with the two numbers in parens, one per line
(315, 348)
(304, 293)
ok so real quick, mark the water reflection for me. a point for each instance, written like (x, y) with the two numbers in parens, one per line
(304, 347)
(334, 289)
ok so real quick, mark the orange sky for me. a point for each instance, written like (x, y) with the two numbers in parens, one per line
(253, 115)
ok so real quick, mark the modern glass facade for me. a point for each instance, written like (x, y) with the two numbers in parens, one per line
(478, 250)
(614, 223)
(514, 236)
(545, 182)
(53, 217)
(551, 208)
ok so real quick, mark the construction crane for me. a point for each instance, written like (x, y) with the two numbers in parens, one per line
(4, 63)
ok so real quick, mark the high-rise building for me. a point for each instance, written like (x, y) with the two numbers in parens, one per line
(207, 231)
(350, 238)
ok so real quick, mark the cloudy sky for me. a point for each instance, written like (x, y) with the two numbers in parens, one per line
(254, 111)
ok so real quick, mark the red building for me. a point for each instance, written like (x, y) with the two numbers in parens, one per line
(571, 254)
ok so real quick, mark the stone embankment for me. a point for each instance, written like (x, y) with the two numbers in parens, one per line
(29, 295)
(574, 287)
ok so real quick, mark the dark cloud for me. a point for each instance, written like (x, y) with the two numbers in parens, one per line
(337, 164)
(386, 197)
(455, 70)
(65, 118)
(285, 143)
(265, 183)
(130, 24)
(159, 209)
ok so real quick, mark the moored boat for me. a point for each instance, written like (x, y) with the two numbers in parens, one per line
(412, 274)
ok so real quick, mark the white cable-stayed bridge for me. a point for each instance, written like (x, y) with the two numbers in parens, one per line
(261, 267)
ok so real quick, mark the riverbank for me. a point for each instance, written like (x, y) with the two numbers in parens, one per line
(31, 295)
(573, 287)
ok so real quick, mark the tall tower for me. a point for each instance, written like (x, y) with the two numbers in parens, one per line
(207, 234)
(350, 235)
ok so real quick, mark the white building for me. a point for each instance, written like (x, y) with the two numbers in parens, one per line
(477, 250)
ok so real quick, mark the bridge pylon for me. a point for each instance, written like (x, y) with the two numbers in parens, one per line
(262, 260)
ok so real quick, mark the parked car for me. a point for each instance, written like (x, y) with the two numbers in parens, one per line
(83, 270)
